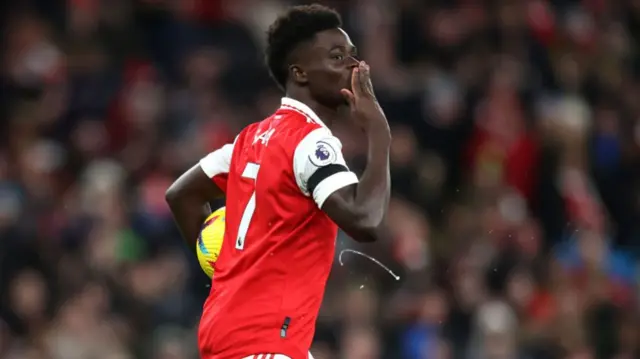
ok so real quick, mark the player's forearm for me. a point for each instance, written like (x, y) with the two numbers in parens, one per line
(188, 198)
(189, 213)
(360, 210)
(373, 191)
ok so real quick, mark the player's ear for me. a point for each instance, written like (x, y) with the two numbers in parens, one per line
(298, 75)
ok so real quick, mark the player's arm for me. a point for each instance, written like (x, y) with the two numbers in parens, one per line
(321, 173)
(189, 196)
(360, 209)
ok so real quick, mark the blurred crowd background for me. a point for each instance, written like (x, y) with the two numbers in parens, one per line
(516, 175)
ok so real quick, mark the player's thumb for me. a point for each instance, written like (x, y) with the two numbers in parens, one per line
(348, 95)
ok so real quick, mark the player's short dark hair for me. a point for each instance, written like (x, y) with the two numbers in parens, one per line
(297, 25)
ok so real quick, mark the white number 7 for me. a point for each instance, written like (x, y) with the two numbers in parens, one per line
(250, 171)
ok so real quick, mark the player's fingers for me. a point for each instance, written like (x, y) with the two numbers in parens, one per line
(349, 96)
(365, 80)
(355, 82)
(368, 84)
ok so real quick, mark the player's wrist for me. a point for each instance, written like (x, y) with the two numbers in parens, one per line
(379, 136)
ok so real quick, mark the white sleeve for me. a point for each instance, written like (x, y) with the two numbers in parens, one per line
(319, 166)
(217, 162)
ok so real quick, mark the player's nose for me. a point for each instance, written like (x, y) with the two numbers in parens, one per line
(352, 63)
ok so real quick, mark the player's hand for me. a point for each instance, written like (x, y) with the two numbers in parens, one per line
(364, 106)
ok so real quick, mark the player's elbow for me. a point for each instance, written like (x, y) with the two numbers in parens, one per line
(364, 236)
(188, 188)
(173, 194)
(367, 231)
(363, 222)
(194, 187)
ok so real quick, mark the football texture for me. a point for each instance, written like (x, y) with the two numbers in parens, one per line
(210, 241)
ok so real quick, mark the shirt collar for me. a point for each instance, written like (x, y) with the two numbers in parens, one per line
(291, 104)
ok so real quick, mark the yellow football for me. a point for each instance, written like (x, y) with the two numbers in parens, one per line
(210, 241)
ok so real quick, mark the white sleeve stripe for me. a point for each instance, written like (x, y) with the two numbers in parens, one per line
(251, 170)
(331, 184)
(301, 156)
(217, 162)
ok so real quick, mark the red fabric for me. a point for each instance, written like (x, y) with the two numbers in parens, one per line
(118, 126)
(516, 162)
(282, 270)
(205, 10)
(542, 22)
(542, 307)
(501, 146)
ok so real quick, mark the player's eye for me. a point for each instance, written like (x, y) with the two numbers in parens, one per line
(338, 57)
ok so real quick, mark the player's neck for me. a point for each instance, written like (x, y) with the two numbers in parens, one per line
(326, 113)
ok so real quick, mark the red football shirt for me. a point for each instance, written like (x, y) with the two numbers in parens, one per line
(278, 245)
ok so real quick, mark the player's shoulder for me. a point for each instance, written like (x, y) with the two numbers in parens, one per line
(297, 126)
(290, 126)
(318, 146)
(300, 118)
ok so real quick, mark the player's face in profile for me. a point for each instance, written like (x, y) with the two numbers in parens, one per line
(333, 57)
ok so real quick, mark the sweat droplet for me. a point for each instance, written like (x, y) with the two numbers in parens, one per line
(396, 277)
